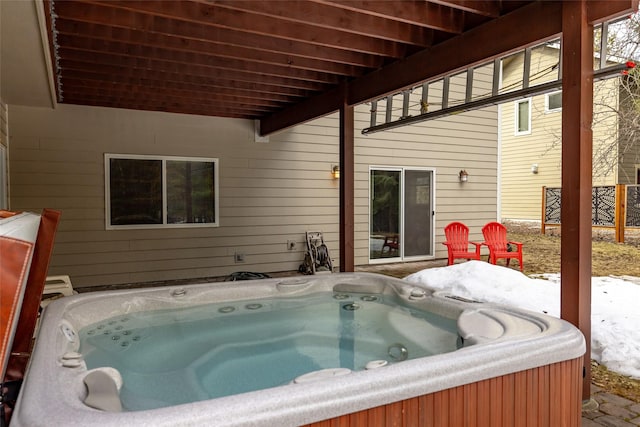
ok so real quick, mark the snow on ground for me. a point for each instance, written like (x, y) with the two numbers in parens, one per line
(615, 306)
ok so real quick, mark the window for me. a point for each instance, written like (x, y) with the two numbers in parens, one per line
(553, 102)
(152, 191)
(523, 117)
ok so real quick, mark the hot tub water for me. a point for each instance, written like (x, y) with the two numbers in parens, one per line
(182, 355)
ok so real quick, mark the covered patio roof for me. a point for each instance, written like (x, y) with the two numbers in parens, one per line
(282, 62)
(286, 62)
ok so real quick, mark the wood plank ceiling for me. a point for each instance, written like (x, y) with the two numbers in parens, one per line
(245, 58)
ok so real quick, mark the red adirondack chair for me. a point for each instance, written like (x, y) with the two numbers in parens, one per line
(495, 237)
(457, 235)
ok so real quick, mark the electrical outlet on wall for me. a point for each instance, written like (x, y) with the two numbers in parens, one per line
(291, 244)
(238, 257)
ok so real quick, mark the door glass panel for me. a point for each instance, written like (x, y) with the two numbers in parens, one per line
(417, 213)
(385, 214)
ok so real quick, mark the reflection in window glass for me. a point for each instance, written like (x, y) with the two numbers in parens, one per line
(554, 101)
(385, 214)
(523, 116)
(136, 191)
(149, 192)
(190, 192)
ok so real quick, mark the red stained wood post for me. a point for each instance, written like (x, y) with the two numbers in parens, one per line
(577, 116)
(347, 262)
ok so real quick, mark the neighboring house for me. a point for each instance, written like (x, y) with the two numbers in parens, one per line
(530, 132)
(267, 193)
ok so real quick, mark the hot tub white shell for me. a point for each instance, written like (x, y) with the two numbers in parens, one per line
(505, 340)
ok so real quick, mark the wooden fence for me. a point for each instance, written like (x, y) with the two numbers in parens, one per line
(612, 206)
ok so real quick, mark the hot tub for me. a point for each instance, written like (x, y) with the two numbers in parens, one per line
(474, 364)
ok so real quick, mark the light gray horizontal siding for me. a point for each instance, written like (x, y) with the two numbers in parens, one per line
(269, 192)
(464, 141)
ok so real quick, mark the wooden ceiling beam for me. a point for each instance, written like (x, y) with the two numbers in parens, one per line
(80, 70)
(536, 22)
(139, 67)
(306, 69)
(326, 16)
(600, 11)
(489, 8)
(160, 84)
(158, 99)
(288, 49)
(197, 97)
(165, 108)
(167, 15)
(86, 36)
(422, 13)
(110, 20)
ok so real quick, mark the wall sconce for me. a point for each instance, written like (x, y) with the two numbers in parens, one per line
(335, 171)
(534, 168)
(463, 175)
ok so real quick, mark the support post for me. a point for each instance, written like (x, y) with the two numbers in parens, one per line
(620, 214)
(347, 262)
(577, 116)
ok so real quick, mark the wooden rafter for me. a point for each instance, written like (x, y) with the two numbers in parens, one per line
(325, 16)
(132, 41)
(170, 14)
(289, 58)
(421, 13)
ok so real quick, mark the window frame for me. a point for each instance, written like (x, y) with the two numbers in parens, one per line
(546, 102)
(517, 131)
(163, 159)
(401, 256)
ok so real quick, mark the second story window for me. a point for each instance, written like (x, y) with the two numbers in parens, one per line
(553, 102)
(523, 117)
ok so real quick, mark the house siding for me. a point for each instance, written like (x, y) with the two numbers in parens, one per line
(630, 149)
(521, 190)
(447, 145)
(269, 192)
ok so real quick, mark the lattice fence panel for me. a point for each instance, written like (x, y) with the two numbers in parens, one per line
(552, 206)
(603, 206)
(633, 206)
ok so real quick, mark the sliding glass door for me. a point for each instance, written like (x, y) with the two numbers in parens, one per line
(401, 214)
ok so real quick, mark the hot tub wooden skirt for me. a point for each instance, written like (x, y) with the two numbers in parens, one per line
(545, 396)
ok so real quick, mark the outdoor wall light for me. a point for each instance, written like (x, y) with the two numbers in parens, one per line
(534, 168)
(335, 171)
(463, 175)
